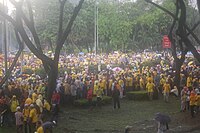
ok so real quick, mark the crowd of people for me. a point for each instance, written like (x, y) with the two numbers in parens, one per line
(23, 99)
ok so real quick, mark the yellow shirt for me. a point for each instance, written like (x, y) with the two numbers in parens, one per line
(40, 130)
(162, 81)
(34, 97)
(121, 82)
(47, 106)
(14, 105)
(110, 83)
(150, 87)
(104, 83)
(130, 81)
(150, 79)
(28, 101)
(26, 114)
(189, 82)
(166, 88)
(101, 84)
(95, 89)
(192, 99)
(33, 115)
(198, 100)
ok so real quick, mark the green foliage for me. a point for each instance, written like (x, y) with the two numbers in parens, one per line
(41, 72)
(28, 71)
(84, 102)
(153, 63)
(137, 95)
(121, 26)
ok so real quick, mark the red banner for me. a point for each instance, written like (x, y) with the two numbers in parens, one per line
(166, 42)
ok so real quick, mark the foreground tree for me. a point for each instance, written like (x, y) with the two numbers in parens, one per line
(180, 36)
(24, 23)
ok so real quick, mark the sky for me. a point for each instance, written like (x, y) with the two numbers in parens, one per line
(10, 6)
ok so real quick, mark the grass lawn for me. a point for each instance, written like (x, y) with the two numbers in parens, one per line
(107, 120)
(140, 115)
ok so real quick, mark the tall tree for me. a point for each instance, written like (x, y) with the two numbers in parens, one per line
(23, 21)
(182, 31)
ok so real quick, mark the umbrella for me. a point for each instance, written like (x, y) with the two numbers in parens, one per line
(190, 63)
(81, 53)
(49, 52)
(162, 118)
(116, 69)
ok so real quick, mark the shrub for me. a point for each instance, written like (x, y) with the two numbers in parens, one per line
(153, 63)
(84, 102)
(41, 72)
(28, 71)
(137, 95)
(106, 100)
(81, 102)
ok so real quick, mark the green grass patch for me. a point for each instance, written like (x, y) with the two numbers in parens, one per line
(137, 95)
(84, 102)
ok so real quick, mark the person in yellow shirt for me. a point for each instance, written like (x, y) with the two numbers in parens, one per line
(198, 102)
(28, 101)
(99, 94)
(26, 112)
(150, 79)
(13, 106)
(166, 91)
(46, 109)
(39, 127)
(33, 118)
(47, 106)
(96, 86)
(162, 82)
(189, 81)
(34, 97)
(150, 89)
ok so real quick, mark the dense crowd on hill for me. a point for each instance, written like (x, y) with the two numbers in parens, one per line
(23, 100)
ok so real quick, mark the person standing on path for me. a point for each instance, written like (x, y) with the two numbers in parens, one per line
(150, 87)
(115, 96)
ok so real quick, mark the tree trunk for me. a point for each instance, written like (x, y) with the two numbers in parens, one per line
(178, 65)
(198, 5)
(51, 86)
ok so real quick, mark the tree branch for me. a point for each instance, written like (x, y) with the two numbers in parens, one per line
(29, 23)
(28, 42)
(67, 30)
(174, 17)
(60, 27)
(162, 8)
(69, 26)
(198, 5)
(21, 47)
(193, 28)
(30, 11)
(171, 36)
(8, 18)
